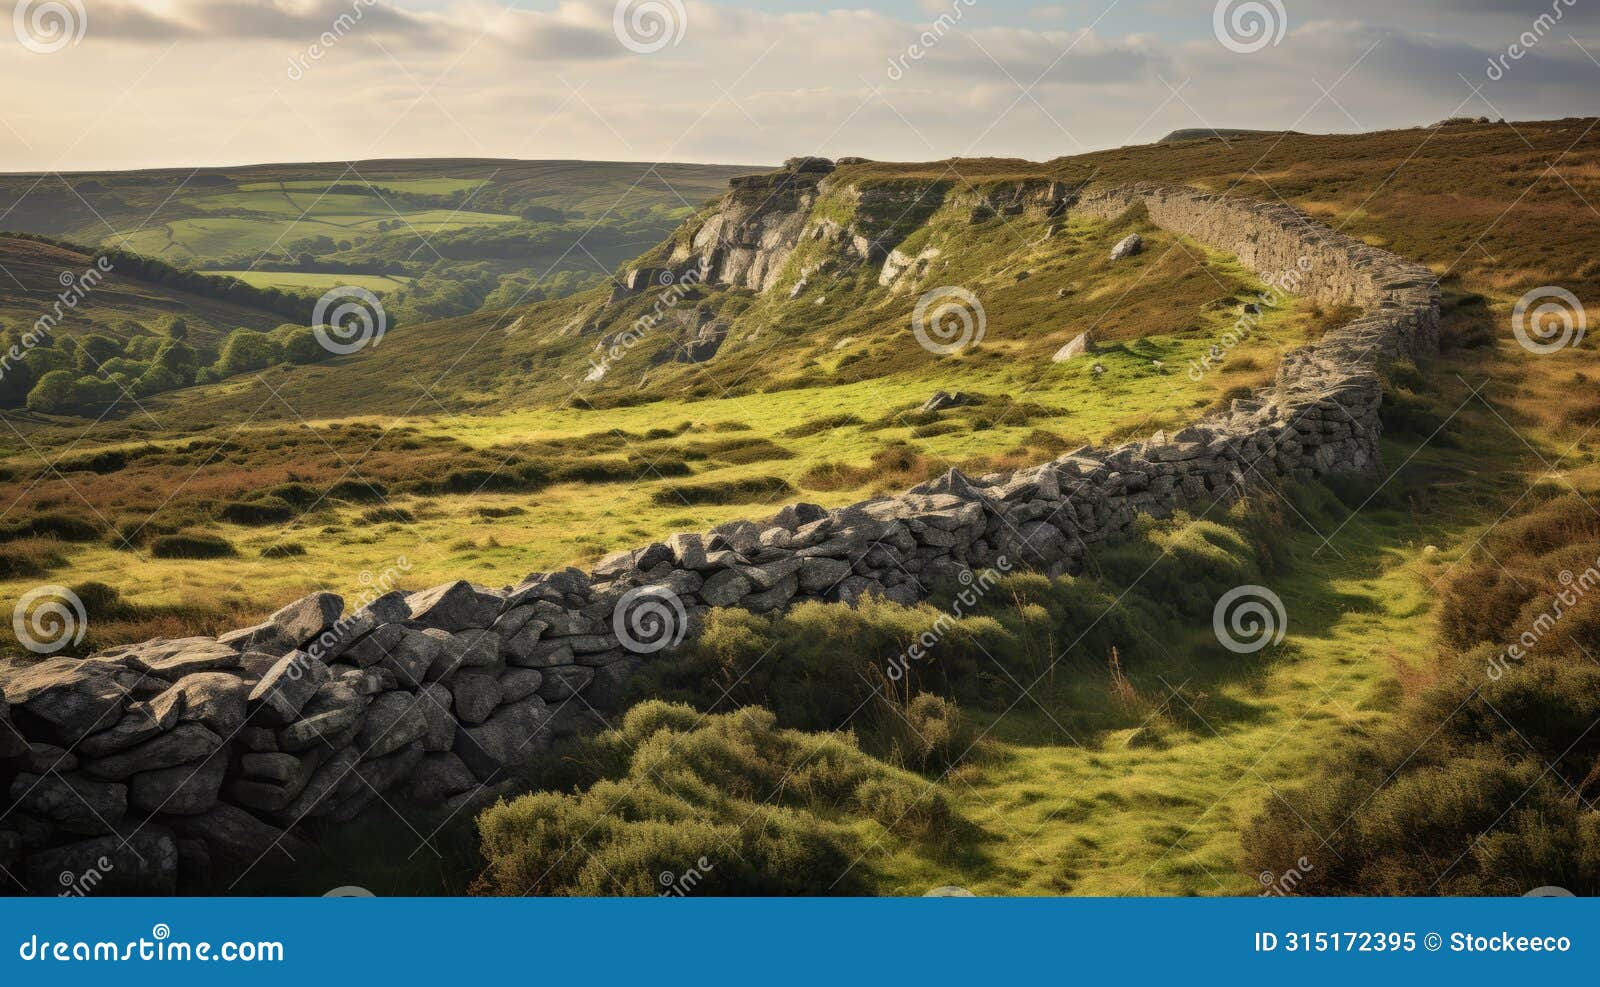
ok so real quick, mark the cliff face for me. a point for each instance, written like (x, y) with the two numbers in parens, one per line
(748, 238)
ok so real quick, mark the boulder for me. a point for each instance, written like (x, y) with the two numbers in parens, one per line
(453, 607)
(71, 698)
(73, 802)
(819, 575)
(174, 659)
(217, 700)
(1129, 245)
(240, 842)
(437, 777)
(1082, 343)
(519, 683)
(184, 742)
(138, 863)
(286, 687)
(335, 708)
(514, 732)
(393, 720)
(467, 649)
(140, 722)
(435, 702)
(543, 655)
(414, 654)
(725, 589)
(565, 681)
(375, 646)
(476, 695)
(184, 790)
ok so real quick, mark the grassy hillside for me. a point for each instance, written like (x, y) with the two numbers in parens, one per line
(434, 237)
(1089, 735)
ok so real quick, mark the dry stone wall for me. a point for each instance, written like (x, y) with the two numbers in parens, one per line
(179, 765)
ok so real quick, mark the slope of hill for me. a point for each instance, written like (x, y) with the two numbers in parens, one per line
(1119, 748)
(435, 237)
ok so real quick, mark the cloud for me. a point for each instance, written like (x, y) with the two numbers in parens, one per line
(474, 78)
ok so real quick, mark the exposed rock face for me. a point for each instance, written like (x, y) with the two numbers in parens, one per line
(208, 751)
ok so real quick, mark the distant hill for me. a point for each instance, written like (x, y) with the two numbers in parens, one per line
(436, 237)
(32, 275)
(1205, 133)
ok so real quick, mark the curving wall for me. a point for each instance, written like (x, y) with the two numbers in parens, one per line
(180, 765)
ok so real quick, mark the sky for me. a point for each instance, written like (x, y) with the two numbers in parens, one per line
(115, 84)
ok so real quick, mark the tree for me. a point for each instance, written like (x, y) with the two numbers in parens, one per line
(247, 350)
(52, 395)
(302, 346)
(178, 329)
(94, 350)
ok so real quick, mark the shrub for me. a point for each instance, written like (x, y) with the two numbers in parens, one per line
(283, 550)
(262, 510)
(61, 527)
(245, 351)
(728, 804)
(190, 545)
(741, 491)
(358, 491)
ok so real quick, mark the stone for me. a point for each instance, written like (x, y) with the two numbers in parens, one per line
(476, 696)
(513, 733)
(140, 722)
(414, 655)
(285, 769)
(438, 776)
(725, 589)
(771, 599)
(941, 400)
(393, 720)
(216, 700)
(75, 803)
(286, 687)
(183, 790)
(519, 683)
(436, 702)
(565, 681)
(72, 698)
(1080, 344)
(609, 685)
(324, 784)
(688, 551)
(375, 646)
(42, 758)
(1129, 245)
(175, 659)
(468, 649)
(335, 708)
(239, 841)
(265, 637)
(453, 607)
(543, 655)
(184, 742)
(142, 862)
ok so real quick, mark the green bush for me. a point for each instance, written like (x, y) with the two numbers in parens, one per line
(190, 545)
(246, 351)
(760, 489)
(728, 804)
(262, 510)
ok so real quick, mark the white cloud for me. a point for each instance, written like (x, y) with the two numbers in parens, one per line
(207, 81)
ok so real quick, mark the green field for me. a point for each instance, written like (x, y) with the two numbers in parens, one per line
(315, 283)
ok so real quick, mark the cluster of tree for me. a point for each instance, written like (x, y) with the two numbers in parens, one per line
(76, 374)
(84, 375)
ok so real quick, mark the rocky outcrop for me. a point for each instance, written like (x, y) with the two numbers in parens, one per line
(190, 760)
